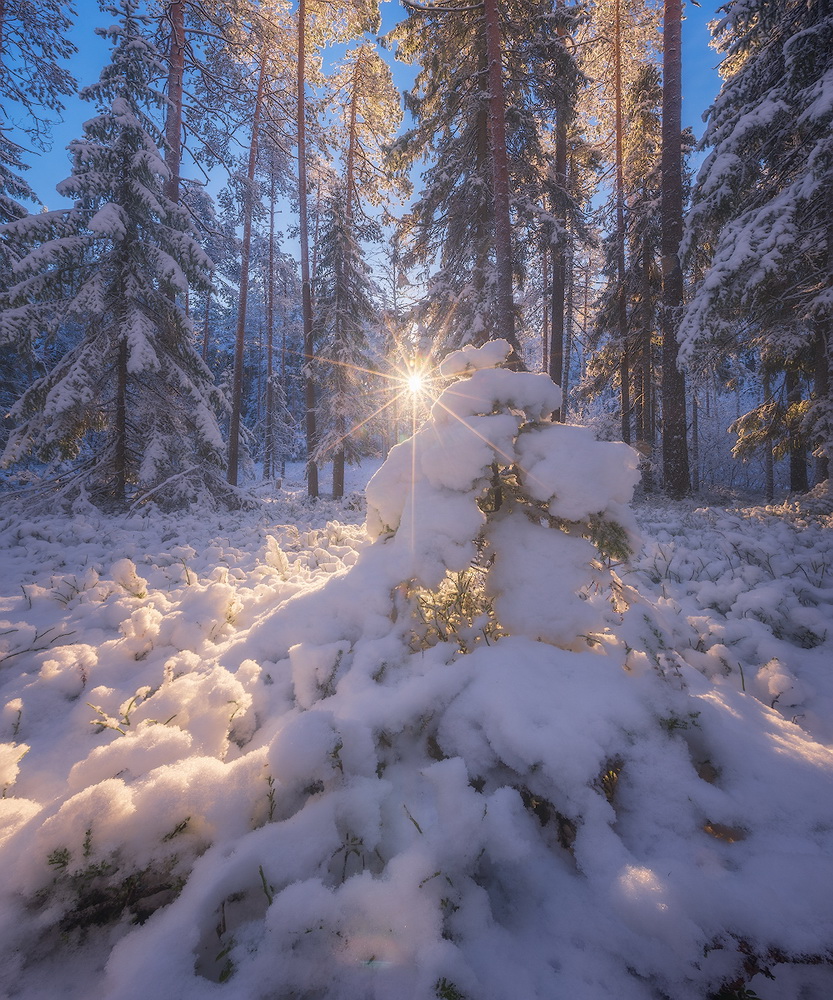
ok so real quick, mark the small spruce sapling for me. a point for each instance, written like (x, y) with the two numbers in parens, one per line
(504, 520)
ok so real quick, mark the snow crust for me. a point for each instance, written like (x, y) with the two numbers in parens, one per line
(237, 762)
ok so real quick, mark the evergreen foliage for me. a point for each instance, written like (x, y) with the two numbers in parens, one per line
(131, 404)
(451, 225)
(763, 197)
(345, 298)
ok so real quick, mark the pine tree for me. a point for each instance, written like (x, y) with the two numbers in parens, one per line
(457, 227)
(33, 45)
(131, 404)
(368, 113)
(764, 200)
(619, 39)
(345, 312)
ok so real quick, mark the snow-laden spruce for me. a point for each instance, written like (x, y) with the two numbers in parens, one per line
(463, 767)
(129, 407)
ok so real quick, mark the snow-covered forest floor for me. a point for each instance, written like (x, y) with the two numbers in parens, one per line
(171, 780)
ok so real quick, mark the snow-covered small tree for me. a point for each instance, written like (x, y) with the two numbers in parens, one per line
(132, 402)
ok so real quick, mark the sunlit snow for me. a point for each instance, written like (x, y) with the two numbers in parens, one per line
(240, 759)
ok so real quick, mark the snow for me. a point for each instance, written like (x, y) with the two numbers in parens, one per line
(285, 754)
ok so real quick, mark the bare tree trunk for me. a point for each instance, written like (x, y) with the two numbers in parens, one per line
(339, 457)
(695, 443)
(769, 463)
(559, 254)
(545, 325)
(306, 288)
(205, 326)
(269, 450)
(173, 119)
(568, 333)
(284, 381)
(245, 256)
(621, 302)
(120, 454)
(646, 374)
(500, 175)
(821, 390)
(799, 482)
(674, 445)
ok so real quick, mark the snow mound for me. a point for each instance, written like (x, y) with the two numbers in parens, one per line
(470, 754)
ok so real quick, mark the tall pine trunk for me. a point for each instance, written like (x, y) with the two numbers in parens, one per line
(173, 118)
(559, 254)
(674, 444)
(269, 448)
(500, 175)
(769, 462)
(120, 451)
(621, 301)
(799, 482)
(339, 457)
(245, 257)
(303, 232)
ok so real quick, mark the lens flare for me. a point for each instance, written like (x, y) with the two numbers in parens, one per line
(415, 382)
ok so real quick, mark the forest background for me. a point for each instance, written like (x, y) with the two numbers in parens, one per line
(311, 331)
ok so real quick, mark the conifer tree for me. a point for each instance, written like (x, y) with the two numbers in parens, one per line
(368, 115)
(456, 227)
(619, 40)
(764, 203)
(345, 311)
(131, 404)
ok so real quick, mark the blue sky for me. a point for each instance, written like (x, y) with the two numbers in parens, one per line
(700, 85)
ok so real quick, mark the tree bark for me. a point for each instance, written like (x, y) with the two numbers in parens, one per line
(559, 254)
(500, 175)
(799, 482)
(306, 287)
(120, 453)
(339, 457)
(173, 118)
(646, 373)
(621, 301)
(269, 445)
(545, 325)
(674, 445)
(245, 256)
(769, 463)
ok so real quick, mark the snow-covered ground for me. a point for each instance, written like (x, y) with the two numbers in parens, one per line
(235, 764)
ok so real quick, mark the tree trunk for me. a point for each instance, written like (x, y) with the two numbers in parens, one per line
(269, 450)
(205, 327)
(769, 463)
(339, 456)
(306, 288)
(821, 390)
(559, 254)
(621, 301)
(245, 256)
(674, 446)
(120, 453)
(799, 482)
(646, 368)
(695, 443)
(569, 319)
(173, 117)
(545, 324)
(500, 176)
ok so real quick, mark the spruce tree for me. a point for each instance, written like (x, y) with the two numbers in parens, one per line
(345, 312)
(131, 405)
(455, 229)
(764, 200)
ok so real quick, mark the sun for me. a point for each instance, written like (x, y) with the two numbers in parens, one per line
(415, 383)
